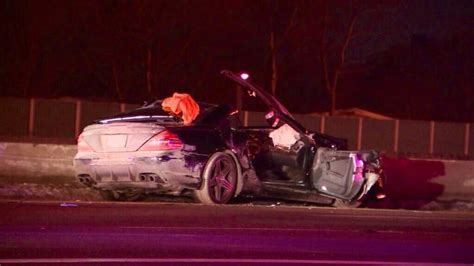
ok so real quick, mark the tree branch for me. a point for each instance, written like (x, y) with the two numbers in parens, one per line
(290, 25)
(342, 55)
(322, 49)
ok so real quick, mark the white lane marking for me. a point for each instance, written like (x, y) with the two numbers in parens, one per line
(215, 260)
(320, 210)
(195, 228)
(7, 231)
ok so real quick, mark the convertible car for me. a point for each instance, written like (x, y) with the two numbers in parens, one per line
(215, 158)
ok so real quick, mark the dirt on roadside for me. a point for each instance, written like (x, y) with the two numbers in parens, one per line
(28, 191)
(67, 189)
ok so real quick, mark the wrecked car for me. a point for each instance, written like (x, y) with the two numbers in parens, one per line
(215, 158)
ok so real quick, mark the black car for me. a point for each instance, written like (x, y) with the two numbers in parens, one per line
(148, 150)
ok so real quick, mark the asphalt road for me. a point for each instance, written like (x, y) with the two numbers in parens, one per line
(185, 233)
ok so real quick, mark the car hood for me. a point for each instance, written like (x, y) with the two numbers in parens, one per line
(266, 97)
(272, 103)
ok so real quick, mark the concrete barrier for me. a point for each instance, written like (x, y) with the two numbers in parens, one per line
(428, 180)
(458, 180)
(407, 179)
(36, 161)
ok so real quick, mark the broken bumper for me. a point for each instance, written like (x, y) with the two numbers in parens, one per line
(170, 171)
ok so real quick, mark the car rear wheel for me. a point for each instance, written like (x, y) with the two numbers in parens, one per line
(219, 180)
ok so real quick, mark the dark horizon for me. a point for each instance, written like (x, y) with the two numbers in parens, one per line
(405, 59)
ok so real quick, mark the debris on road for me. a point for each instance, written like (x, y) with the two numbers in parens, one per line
(66, 204)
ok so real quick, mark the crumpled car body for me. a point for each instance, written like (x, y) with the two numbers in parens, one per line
(215, 158)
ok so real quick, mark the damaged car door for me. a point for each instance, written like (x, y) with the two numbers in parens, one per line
(337, 173)
(307, 162)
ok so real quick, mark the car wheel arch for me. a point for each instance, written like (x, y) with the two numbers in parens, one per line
(240, 180)
(201, 194)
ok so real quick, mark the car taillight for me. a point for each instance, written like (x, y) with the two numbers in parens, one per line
(82, 145)
(165, 140)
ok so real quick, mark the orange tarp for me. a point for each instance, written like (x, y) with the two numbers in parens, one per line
(181, 103)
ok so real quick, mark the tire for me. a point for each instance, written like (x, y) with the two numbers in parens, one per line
(219, 180)
(343, 204)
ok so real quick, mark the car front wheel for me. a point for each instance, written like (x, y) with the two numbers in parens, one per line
(219, 180)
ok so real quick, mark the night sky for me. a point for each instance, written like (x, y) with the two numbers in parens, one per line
(406, 59)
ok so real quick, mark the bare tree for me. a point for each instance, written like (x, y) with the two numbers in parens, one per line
(274, 63)
(274, 46)
(334, 61)
(116, 83)
(331, 78)
(143, 27)
(155, 19)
